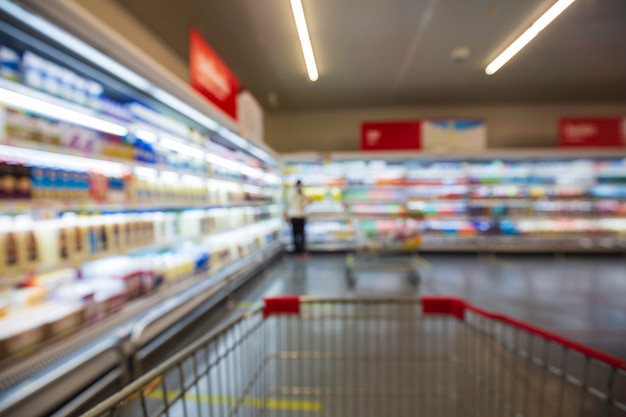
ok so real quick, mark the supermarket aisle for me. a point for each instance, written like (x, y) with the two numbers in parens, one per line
(579, 297)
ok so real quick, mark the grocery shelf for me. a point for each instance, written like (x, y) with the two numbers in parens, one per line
(491, 194)
(24, 90)
(125, 164)
(19, 277)
(523, 244)
(16, 206)
(73, 127)
(49, 371)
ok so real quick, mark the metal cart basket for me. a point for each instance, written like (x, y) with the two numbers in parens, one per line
(434, 356)
(392, 253)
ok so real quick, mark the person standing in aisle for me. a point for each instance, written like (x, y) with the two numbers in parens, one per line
(296, 211)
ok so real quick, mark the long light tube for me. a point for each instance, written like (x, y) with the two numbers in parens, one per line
(182, 148)
(305, 40)
(539, 25)
(146, 135)
(56, 160)
(223, 162)
(44, 108)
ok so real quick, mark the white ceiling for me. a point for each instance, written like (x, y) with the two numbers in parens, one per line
(397, 52)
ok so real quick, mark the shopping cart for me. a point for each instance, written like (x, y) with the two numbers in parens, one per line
(395, 251)
(435, 356)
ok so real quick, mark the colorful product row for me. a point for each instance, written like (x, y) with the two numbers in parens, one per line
(19, 181)
(57, 304)
(26, 244)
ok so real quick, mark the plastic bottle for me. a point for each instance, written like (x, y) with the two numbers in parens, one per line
(29, 252)
(9, 254)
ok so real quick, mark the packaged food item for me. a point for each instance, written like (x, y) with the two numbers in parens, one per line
(98, 186)
(110, 296)
(28, 248)
(115, 190)
(79, 293)
(91, 232)
(50, 183)
(37, 182)
(9, 253)
(8, 181)
(48, 242)
(17, 336)
(62, 318)
(9, 64)
(103, 232)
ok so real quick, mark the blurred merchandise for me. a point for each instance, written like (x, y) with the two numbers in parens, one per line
(471, 201)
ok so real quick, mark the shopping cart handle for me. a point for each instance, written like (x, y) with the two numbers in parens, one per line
(458, 308)
(285, 305)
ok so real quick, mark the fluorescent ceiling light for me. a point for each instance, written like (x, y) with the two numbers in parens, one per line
(57, 160)
(182, 148)
(539, 25)
(305, 40)
(24, 102)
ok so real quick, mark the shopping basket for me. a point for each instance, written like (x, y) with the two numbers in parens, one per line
(434, 356)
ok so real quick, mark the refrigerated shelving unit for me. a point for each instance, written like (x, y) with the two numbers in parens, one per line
(496, 200)
(112, 173)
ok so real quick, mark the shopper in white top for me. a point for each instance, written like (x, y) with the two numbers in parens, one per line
(296, 211)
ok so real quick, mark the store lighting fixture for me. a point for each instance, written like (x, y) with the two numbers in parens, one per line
(185, 109)
(35, 105)
(192, 180)
(539, 25)
(233, 138)
(253, 189)
(251, 172)
(305, 40)
(223, 162)
(271, 178)
(146, 135)
(169, 176)
(56, 160)
(145, 172)
(179, 147)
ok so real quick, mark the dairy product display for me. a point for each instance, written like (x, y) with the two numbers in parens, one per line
(466, 200)
(104, 201)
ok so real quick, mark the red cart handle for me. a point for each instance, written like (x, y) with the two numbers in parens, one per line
(456, 307)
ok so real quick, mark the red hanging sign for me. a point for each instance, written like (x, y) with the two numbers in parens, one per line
(386, 136)
(587, 132)
(210, 76)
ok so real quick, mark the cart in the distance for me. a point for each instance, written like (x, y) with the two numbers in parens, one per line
(393, 252)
